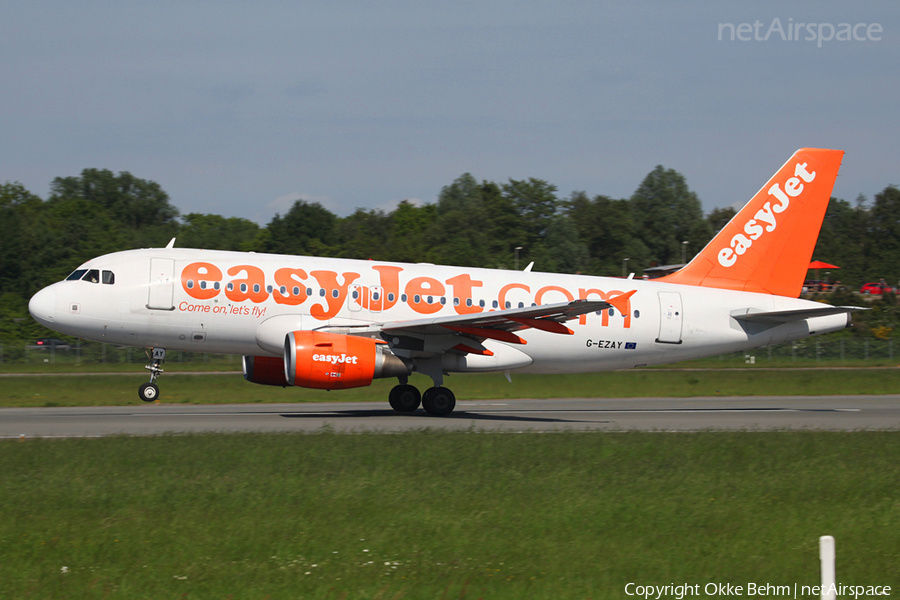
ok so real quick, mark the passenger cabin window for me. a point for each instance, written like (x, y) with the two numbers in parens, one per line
(76, 275)
(108, 277)
(93, 276)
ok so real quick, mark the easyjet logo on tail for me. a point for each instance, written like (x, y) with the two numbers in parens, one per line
(766, 247)
(765, 220)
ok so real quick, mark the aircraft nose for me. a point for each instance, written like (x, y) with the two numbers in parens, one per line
(42, 306)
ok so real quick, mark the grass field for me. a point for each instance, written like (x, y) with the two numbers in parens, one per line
(441, 515)
(100, 390)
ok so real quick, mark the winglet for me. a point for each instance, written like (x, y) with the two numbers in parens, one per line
(767, 246)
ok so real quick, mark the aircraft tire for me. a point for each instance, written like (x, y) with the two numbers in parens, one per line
(438, 401)
(405, 398)
(148, 392)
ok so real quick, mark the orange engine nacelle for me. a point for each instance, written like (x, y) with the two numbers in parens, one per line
(265, 370)
(332, 361)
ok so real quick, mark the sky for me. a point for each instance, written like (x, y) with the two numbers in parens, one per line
(240, 108)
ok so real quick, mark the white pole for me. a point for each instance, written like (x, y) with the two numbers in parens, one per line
(826, 556)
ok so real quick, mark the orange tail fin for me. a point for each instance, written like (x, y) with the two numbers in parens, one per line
(766, 247)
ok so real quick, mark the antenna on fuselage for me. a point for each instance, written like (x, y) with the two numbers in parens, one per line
(528, 268)
(171, 244)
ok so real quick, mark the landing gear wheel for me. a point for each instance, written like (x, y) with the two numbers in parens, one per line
(148, 392)
(438, 401)
(405, 398)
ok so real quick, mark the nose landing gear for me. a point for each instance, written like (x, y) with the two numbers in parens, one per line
(148, 392)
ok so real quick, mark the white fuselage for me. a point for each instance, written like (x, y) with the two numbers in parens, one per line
(160, 298)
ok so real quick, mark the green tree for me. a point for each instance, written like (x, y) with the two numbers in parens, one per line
(215, 232)
(79, 230)
(502, 227)
(457, 232)
(845, 240)
(536, 202)
(364, 234)
(138, 206)
(306, 229)
(21, 236)
(606, 227)
(719, 218)
(561, 251)
(885, 242)
(666, 213)
(16, 324)
(410, 225)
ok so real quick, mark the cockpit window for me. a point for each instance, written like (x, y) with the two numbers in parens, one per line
(76, 275)
(93, 276)
(108, 277)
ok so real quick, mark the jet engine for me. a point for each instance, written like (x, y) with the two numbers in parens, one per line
(265, 370)
(332, 361)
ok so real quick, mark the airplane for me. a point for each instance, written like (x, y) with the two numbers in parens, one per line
(329, 323)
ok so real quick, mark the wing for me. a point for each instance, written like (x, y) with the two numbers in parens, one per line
(464, 333)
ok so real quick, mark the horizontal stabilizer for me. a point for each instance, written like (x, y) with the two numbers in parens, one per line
(786, 316)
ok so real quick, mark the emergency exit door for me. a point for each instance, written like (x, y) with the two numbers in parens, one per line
(162, 284)
(669, 318)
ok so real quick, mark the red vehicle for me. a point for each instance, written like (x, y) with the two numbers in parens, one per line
(875, 288)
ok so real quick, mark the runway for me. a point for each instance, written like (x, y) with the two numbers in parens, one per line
(757, 413)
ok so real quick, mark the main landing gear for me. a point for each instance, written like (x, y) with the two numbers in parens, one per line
(149, 392)
(437, 401)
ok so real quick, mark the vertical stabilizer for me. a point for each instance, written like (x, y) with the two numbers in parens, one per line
(767, 246)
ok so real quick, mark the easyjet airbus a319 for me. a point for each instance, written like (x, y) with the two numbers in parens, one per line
(332, 323)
